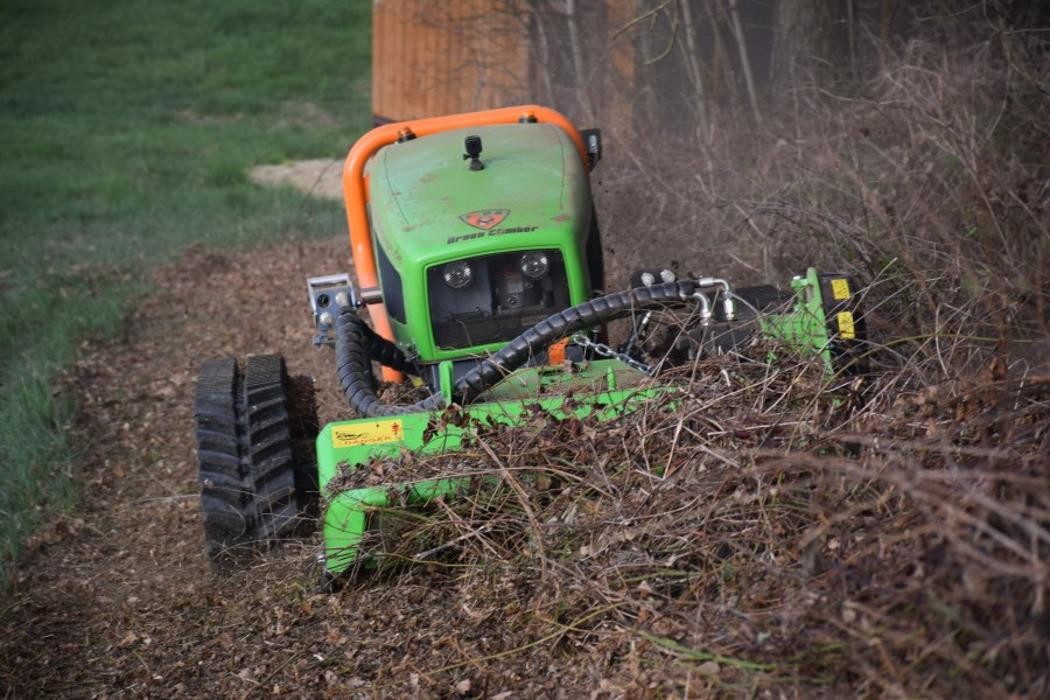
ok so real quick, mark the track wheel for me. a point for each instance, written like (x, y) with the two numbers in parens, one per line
(249, 455)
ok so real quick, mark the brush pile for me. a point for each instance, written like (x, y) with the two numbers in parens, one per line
(756, 531)
(760, 530)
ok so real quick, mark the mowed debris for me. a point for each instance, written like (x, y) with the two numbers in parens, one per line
(755, 531)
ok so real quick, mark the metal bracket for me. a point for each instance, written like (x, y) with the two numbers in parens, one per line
(592, 141)
(328, 293)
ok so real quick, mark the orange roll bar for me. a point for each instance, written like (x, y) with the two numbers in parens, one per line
(355, 185)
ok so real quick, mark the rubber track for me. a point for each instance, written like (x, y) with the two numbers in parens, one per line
(244, 451)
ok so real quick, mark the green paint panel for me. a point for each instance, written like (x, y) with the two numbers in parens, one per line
(806, 328)
(421, 189)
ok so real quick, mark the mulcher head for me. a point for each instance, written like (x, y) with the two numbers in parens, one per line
(357, 459)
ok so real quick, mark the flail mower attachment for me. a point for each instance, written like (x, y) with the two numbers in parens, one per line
(820, 316)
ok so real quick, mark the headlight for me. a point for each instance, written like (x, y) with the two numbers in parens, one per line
(457, 274)
(534, 265)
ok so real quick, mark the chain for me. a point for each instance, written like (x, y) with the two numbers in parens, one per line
(637, 334)
(605, 351)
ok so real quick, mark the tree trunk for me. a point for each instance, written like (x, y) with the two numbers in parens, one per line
(812, 41)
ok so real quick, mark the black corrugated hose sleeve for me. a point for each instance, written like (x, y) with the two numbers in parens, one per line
(563, 324)
(354, 341)
(386, 353)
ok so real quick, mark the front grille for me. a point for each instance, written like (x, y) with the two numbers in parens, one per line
(499, 303)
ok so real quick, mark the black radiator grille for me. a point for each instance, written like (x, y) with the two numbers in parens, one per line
(499, 303)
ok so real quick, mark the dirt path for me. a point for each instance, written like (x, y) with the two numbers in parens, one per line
(119, 598)
(320, 177)
(704, 583)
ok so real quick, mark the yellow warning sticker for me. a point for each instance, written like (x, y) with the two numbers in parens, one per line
(845, 320)
(362, 433)
(840, 289)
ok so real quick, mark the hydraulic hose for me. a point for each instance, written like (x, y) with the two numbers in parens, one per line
(595, 312)
(354, 343)
(386, 353)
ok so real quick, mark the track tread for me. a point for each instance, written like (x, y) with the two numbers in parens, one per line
(247, 454)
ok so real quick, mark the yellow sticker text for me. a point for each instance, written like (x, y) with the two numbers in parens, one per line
(367, 433)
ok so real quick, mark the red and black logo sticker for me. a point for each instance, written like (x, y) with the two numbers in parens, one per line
(485, 219)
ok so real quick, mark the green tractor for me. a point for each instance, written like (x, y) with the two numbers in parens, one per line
(478, 259)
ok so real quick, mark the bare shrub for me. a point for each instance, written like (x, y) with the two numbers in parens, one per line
(756, 527)
(762, 530)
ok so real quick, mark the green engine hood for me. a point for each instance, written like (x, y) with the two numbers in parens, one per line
(428, 206)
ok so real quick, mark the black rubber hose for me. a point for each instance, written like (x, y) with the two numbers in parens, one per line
(356, 345)
(386, 353)
(563, 324)
(352, 342)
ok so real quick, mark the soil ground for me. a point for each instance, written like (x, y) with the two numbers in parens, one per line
(319, 177)
(757, 570)
(119, 598)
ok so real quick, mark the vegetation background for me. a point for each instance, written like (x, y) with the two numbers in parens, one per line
(128, 129)
(807, 539)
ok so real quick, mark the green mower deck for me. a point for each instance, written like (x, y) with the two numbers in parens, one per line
(605, 389)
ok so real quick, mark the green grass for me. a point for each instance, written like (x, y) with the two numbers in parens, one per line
(126, 129)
